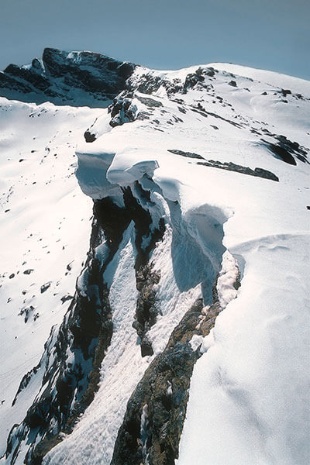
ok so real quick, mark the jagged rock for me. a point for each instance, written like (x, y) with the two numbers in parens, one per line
(147, 84)
(286, 150)
(193, 78)
(89, 137)
(146, 309)
(59, 74)
(186, 154)
(260, 172)
(149, 102)
(87, 329)
(155, 414)
(123, 110)
(86, 332)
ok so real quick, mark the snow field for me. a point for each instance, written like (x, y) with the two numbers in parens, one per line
(44, 237)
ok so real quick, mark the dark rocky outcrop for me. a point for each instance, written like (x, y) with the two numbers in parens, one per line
(193, 79)
(186, 154)
(73, 357)
(122, 110)
(286, 150)
(149, 83)
(67, 78)
(71, 361)
(146, 309)
(257, 172)
(146, 235)
(155, 415)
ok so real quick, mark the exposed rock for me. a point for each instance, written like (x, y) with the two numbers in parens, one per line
(44, 287)
(146, 235)
(206, 113)
(148, 84)
(59, 74)
(89, 137)
(257, 172)
(153, 422)
(149, 102)
(73, 358)
(287, 150)
(186, 154)
(29, 271)
(123, 110)
(193, 78)
(146, 309)
(286, 92)
(68, 387)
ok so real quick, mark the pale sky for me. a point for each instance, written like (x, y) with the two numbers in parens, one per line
(162, 34)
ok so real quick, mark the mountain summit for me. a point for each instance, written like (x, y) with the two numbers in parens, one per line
(66, 78)
(155, 262)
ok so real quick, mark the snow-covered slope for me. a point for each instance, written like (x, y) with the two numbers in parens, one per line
(187, 338)
(45, 221)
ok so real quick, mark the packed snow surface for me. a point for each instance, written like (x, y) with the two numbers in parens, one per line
(249, 394)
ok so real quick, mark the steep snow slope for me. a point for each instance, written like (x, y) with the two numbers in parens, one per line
(207, 178)
(44, 236)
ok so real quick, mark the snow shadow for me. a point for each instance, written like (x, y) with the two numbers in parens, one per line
(197, 247)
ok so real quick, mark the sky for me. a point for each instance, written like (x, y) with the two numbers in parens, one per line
(162, 34)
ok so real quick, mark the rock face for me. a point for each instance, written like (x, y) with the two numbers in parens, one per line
(71, 361)
(73, 356)
(63, 78)
(153, 422)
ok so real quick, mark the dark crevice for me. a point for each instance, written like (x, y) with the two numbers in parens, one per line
(147, 234)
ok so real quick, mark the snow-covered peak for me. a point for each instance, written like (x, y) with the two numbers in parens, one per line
(77, 78)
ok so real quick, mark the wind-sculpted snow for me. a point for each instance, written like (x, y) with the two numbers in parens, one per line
(251, 371)
(196, 255)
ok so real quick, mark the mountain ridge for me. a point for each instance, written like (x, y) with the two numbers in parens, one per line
(190, 174)
(66, 78)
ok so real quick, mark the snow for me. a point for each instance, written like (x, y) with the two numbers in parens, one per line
(127, 169)
(249, 393)
(254, 375)
(121, 370)
(229, 275)
(44, 237)
(269, 77)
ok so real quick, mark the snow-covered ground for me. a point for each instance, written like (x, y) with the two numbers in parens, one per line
(249, 394)
(44, 236)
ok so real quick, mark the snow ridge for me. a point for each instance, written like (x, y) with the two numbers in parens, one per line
(192, 299)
